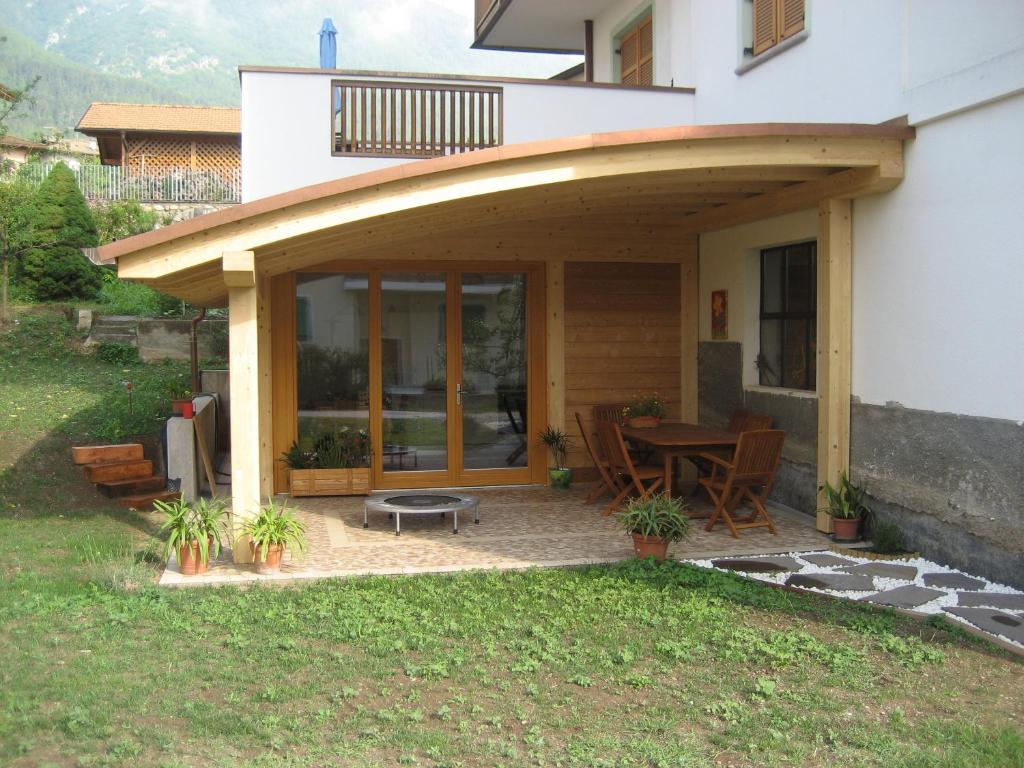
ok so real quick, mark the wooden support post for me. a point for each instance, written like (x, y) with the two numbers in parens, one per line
(555, 327)
(689, 319)
(244, 358)
(834, 370)
(588, 50)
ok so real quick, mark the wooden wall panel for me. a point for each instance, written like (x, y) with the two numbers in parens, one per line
(622, 338)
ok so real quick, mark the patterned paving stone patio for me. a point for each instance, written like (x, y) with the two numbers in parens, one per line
(519, 527)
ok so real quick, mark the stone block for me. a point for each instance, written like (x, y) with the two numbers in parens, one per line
(910, 596)
(990, 600)
(825, 560)
(952, 581)
(884, 570)
(758, 564)
(994, 622)
(841, 582)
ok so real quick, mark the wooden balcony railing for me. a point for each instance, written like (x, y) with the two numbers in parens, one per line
(413, 120)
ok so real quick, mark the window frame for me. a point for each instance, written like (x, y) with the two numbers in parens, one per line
(748, 59)
(810, 315)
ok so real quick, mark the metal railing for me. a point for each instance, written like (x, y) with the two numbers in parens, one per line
(410, 120)
(112, 182)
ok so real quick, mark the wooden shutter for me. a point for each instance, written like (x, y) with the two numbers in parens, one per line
(766, 32)
(629, 48)
(645, 53)
(791, 17)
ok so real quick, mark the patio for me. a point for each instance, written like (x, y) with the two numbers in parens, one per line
(520, 527)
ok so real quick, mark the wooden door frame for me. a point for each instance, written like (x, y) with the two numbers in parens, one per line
(285, 370)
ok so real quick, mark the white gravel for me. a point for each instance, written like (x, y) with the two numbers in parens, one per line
(924, 567)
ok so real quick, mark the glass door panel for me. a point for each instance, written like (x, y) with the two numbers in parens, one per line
(332, 359)
(493, 387)
(414, 357)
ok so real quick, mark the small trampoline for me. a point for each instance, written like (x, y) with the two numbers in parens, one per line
(400, 504)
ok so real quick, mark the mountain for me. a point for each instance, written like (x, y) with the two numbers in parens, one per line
(188, 52)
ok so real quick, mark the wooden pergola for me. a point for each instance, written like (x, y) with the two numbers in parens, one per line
(636, 196)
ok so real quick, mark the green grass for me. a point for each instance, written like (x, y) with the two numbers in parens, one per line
(628, 665)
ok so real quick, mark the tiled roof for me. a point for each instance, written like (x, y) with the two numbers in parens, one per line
(168, 118)
(17, 141)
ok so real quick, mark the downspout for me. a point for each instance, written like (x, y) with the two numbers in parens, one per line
(194, 343)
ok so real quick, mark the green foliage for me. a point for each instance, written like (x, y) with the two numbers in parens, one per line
(61, 225)
(202, 522)
(886, 537)
(276, 525)
(121, 219)
(845, 500)
(117, 353)
(123, 297)
(659, 516)
(330, 378)
(343, 448)
(558, 443)
(178, 387)
(645, 405)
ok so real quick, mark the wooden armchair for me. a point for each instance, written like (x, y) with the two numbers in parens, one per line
(609, 412)
(748, 476)
(629, 478)
(606, 483)
(745, 421)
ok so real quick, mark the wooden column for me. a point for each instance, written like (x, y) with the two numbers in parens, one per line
(555, 339)
(689, 318)
(588, 50)
(244, 335)
(835, 308)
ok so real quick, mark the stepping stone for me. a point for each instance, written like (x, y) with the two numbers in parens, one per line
(990, 600)
(884, 570)
(994, 622)
(840, 582)
(826, 561)
(758, 564)
(905, 597)
(952, 581)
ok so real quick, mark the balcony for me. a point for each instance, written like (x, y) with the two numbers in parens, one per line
(305, 126)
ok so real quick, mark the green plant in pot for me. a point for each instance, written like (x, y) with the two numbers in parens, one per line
(654, 523)
(644, 411)
(558, 443)
(273, 530)
(844, 502)
(193, 531)
(180, 394)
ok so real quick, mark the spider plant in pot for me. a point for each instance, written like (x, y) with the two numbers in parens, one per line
(844, 503)
(193, 532)
(654, 523)
(271, 532)
(558, 443)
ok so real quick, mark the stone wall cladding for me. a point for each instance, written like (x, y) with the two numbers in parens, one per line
(719, 381)
(159, 339)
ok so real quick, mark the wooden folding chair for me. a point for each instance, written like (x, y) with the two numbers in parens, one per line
(745, 421)
(605, 483)
(748, 476)
(629, 478)
(609, 412)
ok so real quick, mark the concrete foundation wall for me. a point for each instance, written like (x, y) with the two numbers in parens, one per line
(169, 339)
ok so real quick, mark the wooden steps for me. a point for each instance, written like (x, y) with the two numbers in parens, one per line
(123, 473)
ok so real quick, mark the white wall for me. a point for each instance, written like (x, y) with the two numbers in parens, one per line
(286, 119)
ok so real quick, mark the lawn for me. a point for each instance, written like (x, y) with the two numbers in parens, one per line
(629, 665)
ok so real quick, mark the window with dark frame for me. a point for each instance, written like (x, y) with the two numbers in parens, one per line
(789, 317)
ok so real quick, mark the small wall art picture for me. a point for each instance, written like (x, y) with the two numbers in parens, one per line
(720, 315)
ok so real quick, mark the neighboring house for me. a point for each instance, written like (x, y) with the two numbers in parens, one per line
(809, 209)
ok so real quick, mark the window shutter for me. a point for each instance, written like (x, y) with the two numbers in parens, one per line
(791, 17)
(645, 56)
(765, 25)
(629, 49)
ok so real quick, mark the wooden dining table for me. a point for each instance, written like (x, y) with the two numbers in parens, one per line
(676, 440)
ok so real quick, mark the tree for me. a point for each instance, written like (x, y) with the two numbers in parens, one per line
(118, 220)
(15, 198)
(60, 225)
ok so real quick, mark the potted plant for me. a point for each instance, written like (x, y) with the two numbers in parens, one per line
(644, 411)
(193, 532)
(654, 523)
(844, 503)
(181, 397)
(558, 443)
(270, 533)
(335, 463)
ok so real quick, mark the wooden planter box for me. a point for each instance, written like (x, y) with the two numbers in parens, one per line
(329, 482)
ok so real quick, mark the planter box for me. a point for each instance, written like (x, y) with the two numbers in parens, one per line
(329, 482)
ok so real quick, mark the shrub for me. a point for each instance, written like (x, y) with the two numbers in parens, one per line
(60, 226)
(341, 449)
(118, 220)
(886, 537)
(120, 297)
(117, 353)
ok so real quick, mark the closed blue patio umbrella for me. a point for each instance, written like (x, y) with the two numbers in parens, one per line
(328, 45)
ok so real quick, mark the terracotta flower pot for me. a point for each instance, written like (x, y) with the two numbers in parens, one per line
(271, 563)
(560, 478)
(183, 408)
(644, 422)
(845, 529)
(189, 561)
(647, 546)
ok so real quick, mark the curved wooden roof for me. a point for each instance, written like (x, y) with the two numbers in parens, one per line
(642, 187)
